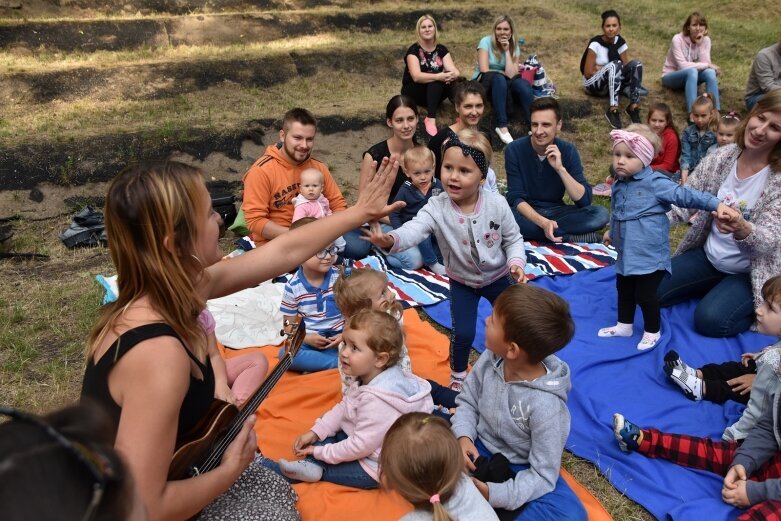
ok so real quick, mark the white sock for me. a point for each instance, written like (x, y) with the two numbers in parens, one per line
(301, 470)
(689, 384)
(437, 268)
(649, 340)
(620, 329)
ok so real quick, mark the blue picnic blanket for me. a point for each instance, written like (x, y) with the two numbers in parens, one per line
(611, 375)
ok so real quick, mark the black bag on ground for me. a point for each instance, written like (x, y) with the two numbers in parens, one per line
(87, 229)
(224, 204)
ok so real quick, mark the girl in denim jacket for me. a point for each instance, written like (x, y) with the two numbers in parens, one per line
(640, 228)
(698, 138)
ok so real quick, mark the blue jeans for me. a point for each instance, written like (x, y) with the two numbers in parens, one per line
(348, 474)
(727, 305)
(463, 313)
(688, 80)
(409, 259)
(497, 86)
(356, 248)
(310, 359)
(571, 220)
(752, 100)
(560, 503)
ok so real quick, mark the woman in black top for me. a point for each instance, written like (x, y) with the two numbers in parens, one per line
(429, 71)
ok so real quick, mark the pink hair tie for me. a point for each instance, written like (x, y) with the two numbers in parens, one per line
(639, 145)
(434, 499)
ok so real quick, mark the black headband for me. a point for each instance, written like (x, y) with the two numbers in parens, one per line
(477, 156)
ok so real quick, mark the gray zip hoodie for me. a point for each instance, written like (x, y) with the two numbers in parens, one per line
(527, 422)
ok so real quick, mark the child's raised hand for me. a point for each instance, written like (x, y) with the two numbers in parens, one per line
(518, 274)
(376, 236)
(303, 444)
(482, 487)
(734, 490)
(606, 238)
(469, 451)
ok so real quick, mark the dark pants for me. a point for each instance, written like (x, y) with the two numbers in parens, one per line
(463, 313)
(639, 290)
(503, 91)
(429, 94)
(713, 456)
(716, 375)
(571, 219)
(615, 76)
(727, 305)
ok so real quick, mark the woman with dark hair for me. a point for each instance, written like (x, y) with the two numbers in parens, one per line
(429, 71)
(607, 69)
(498, 55)
(68, 458)
(688, 62)
(147, 362)
(723, 263)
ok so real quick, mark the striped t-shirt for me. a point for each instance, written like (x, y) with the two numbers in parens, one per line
(316, 304)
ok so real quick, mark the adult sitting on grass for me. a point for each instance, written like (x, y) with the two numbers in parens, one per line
(688, 62)
(541, 168)
(726, 263)
(498, 55)
(429, 71)
(272, 183)
(606, 70)
(146, 359)
(68, 458)
(765, 74)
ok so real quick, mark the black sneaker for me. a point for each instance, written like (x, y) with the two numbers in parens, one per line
(633, 113)
(613, 117)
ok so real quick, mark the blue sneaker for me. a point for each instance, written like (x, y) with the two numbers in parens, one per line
(627, 433)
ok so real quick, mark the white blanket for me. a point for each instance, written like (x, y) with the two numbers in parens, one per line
(249, 318)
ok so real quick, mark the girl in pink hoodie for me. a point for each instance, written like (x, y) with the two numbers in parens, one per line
(343, 446)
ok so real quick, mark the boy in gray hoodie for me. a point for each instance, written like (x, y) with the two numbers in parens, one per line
(514, 403)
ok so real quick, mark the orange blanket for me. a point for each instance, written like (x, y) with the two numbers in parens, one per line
(298, 400)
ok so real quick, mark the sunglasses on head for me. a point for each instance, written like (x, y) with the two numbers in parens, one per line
(99, 467)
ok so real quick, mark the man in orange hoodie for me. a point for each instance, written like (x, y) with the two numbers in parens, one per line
(273, 181)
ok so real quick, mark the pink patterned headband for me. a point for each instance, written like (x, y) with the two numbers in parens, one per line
(639, 145)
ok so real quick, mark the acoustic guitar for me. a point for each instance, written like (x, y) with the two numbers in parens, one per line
(202, 450)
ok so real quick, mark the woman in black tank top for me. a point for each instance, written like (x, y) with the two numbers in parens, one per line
(147, 364)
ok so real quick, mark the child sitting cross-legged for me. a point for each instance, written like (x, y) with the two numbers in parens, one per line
(513, 407)
(639, 229)
(478, 236)
(310, 294)
(421, 460)
(343, 446)
(420, 186)
(750, 449)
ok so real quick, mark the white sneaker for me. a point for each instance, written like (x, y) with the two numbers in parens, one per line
(437, 268)
(504, 136)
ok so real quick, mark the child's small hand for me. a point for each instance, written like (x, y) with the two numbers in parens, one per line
(469, 451)
(334, 341)
(223, 392)
(725, 213)
(734, 490)
(316, 341)
(518, 274)
(606, 238)
(302, 445)
(746, 357)
(742, 384)
(376, 236)
(482, 487)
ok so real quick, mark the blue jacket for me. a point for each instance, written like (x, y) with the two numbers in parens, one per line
(414, 199)
(536, 182)
(695, 146)
(639, 228)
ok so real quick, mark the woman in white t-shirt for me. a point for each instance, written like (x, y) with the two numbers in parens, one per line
(726, 263)
(498, 55)
(606, 70)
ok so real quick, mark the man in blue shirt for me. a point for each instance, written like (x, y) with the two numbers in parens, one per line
(541, 168)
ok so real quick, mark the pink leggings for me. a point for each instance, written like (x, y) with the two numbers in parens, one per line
(245, 374)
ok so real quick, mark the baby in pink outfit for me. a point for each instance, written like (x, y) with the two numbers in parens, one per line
(310, 202)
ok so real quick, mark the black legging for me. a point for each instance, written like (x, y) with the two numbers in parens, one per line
(639, 290)
(429, 94)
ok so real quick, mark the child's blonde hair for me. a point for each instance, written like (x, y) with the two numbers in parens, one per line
(422, 461)
(731, 120)
(385, 331)
(315, 171)
(705, 100)
(477, 140)
(646, 132)
(352, 292)
(419, 155)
